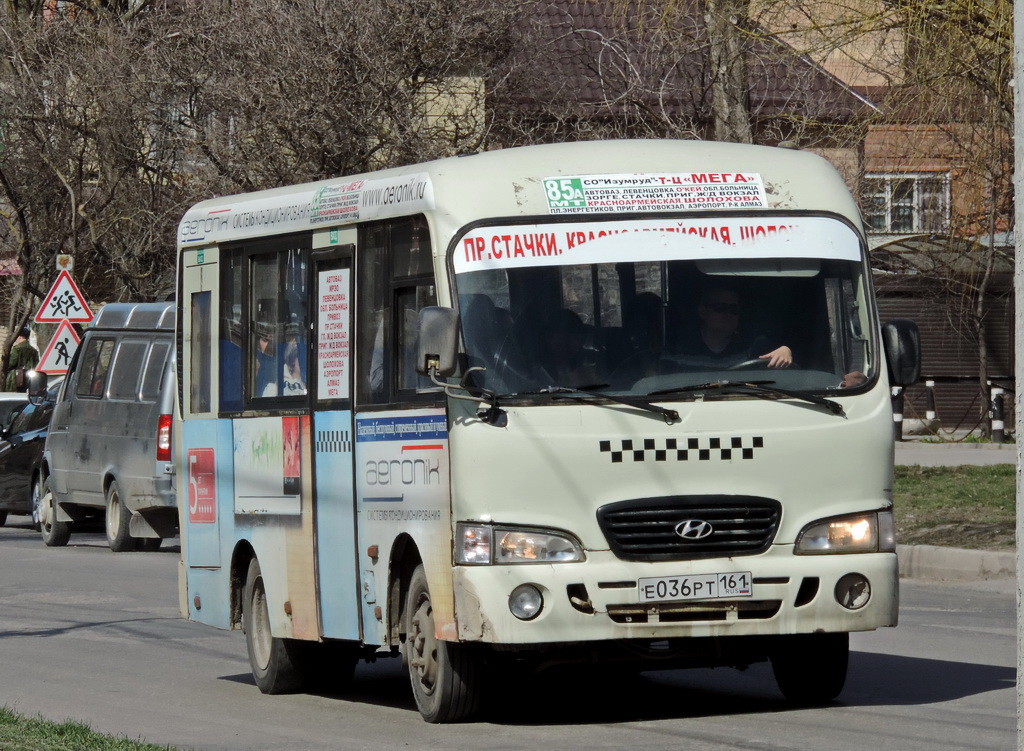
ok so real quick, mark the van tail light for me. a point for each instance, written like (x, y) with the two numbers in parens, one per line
(163, 439)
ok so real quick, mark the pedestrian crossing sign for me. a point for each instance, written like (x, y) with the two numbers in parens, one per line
(61, 349)
(64, 302)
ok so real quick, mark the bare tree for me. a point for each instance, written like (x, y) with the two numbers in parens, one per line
(942, 72)
(118, 115)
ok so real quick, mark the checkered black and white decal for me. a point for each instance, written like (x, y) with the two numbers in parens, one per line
(682, 449)
(334, 442)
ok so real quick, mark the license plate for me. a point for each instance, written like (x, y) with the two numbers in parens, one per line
(695, 587)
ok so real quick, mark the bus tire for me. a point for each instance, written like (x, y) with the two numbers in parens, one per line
(117, 521)
(272, 659)
(810, 669)
(55, 533)
(446, 677)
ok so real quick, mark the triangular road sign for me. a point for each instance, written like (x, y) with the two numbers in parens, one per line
(64, 303)
(61, 349)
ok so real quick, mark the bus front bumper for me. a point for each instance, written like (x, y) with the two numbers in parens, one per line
(599, 599)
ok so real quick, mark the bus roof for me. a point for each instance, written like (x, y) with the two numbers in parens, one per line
(583, 178)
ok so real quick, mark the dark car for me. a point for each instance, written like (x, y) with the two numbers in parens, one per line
(21, 449)
(10, 402)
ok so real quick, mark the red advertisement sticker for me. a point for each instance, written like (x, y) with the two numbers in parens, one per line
(202, 486)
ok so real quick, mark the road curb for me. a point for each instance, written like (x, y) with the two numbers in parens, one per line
(954, 564)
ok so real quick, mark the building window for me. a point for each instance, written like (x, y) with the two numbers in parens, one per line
(900, 204)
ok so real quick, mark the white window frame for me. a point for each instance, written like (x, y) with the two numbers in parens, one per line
(920, 212)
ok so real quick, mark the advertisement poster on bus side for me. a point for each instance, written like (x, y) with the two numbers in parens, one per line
(689, 191)
(362, 200)
(336, 203)
(268, 464)
(333, 334)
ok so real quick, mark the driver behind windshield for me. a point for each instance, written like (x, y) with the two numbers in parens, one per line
(721, 341)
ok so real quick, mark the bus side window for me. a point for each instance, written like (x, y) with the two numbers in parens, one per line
(230, 345)
(200, 395)
(408, 302)
(395, 280)
(372, 312)
(262, 337)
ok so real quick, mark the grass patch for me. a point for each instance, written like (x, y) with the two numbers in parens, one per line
(963, 507)
(969, 438)
(19, 733)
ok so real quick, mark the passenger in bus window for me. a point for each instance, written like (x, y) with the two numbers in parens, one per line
(294, 378)
(264, 373)
(853, 379)
(565, 355)
(643, 325)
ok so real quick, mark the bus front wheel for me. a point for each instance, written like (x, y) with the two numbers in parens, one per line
(810, 669)
(446, 676)
(271, 658)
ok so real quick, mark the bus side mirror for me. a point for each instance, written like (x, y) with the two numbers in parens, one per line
(902, 342)
(437, 342)
(36, 386)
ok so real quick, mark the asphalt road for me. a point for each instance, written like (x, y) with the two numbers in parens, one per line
(95, 636)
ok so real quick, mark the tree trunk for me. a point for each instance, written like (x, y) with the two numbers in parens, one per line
(730, 88)
(981, 327)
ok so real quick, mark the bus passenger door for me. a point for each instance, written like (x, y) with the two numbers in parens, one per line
(331, 390)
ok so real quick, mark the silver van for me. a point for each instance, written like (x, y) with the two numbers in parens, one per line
(109, 445)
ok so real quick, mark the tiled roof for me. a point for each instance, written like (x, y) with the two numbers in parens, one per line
(609, 52)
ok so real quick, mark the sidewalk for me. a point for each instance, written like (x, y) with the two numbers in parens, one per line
(954, 564)
(934, 563)
(954, 454)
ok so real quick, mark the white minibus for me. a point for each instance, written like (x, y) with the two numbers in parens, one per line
(623, 402)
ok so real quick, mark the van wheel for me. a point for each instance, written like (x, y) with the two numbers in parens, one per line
(274, 661)
(55, 533)
(811, 668)
(37, 497)
(446, 676)
(118, 518)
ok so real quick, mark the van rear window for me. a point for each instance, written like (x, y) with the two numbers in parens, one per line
(155, 371)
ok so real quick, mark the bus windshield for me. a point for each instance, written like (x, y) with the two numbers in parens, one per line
(640, 307)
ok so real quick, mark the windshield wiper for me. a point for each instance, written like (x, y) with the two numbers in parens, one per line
(669, 415)
(754, 388)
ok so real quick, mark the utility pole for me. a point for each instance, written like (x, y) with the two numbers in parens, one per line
(1018, 328)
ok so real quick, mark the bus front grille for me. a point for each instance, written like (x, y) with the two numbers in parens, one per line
(689, 527)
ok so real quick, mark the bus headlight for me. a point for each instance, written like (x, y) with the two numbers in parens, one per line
(481, 544)
(873, 532)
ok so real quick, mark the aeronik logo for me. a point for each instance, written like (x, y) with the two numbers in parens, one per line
(694, 529)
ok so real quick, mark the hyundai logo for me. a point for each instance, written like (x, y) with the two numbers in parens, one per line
(694, 529)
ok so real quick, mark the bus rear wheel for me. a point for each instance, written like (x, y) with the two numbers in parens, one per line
(272, 659)
(446, 677)
(810, 669)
